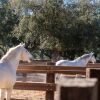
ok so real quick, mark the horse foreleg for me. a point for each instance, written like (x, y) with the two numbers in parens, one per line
(8, 94)
(2, 96)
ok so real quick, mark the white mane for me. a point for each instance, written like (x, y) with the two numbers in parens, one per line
(80, 61)
(85, 56)
(10, 53)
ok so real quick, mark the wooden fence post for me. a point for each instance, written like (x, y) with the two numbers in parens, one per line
(24, 77)
(94, 73)
(77, 89)
(50, 78)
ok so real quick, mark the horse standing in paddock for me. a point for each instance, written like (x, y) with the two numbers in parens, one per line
(80, 61)
(8, 66)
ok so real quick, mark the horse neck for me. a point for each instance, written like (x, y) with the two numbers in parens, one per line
(82, 62)
(15, 62)
(12, 61)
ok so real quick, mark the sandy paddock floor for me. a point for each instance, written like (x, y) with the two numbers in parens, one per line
(28, 95)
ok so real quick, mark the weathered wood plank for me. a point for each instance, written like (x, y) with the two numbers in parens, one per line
(50, 78)
(77, 89)
(16, 99)
(94, 73)
(51, 69)
(93, 65)
(35, 86)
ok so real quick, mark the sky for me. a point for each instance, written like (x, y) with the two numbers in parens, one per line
(92, 1)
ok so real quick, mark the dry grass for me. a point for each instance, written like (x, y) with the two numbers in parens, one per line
(28, 95)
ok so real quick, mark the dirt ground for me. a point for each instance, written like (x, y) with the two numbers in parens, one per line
(28, 95)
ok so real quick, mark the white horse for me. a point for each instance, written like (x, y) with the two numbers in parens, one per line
(80, 61)
(8, 66)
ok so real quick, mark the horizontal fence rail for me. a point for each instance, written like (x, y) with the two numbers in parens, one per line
(50, 71)
(35, 86)
(55, 69)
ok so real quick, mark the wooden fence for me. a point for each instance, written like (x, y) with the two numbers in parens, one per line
(50, 70)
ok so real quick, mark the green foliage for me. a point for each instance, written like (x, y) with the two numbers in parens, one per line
(71, 26)
(52, 25)
(7, 21)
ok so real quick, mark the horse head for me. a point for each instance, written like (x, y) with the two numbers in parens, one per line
(25, 55)
(92, 58)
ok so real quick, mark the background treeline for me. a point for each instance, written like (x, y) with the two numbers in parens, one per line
(69, 28)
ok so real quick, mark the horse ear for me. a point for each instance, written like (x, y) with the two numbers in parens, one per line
(22, 44)
(92, 53)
